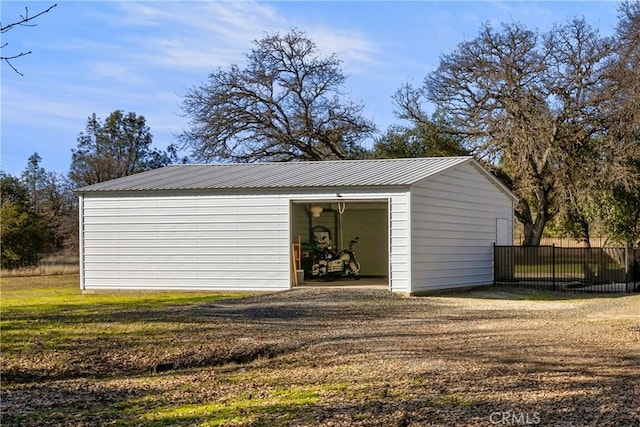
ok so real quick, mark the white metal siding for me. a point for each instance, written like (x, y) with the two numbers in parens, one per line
(150, 240)
(190, 242)
(454, 227)
(81, 242)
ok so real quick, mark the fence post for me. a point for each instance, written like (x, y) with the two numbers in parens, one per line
(553, 266)
(634, 268)
(626, 262)
(495, 263)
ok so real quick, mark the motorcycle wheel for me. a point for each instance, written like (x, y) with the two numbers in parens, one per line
(356, 275)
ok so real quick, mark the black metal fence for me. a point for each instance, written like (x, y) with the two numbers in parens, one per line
(555, 268)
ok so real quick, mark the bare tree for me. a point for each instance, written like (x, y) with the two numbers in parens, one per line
(25, 20)
(286, 104)
(528, 105)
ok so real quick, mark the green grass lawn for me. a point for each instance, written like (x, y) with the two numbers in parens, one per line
(49, 328)
(46, 296)
(51, 333)
(575, 270)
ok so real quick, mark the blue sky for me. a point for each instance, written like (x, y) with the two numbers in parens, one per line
(97, 57)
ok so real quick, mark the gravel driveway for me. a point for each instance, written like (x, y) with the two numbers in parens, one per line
(345, 357)
(490, 357)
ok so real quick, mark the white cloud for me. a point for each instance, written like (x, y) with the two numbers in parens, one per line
(114, 72)
(205, 35)
(353, 48)
(195, 35)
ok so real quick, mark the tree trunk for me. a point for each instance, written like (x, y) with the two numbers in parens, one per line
(586, 235)
(533, 229)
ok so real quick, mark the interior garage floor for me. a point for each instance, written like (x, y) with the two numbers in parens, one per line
(365, 282)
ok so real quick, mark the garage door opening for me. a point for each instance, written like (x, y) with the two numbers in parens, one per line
(317, 225)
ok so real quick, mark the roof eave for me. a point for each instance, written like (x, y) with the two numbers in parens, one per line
(210, 190)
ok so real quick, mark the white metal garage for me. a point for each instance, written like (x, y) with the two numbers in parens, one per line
(230, 226)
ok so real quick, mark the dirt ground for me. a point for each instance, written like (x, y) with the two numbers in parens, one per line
(343, 357)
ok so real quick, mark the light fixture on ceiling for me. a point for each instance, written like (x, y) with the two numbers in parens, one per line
(316, 211)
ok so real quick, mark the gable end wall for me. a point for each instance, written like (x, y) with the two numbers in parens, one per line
(454, 217)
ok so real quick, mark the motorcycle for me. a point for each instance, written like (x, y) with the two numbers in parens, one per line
(332, 264)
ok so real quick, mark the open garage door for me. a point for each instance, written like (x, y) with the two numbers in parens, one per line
(336, 224)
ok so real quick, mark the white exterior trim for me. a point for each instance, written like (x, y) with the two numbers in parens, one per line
(81, 240)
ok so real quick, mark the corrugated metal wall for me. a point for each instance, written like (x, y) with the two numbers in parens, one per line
(369, 222)
(454, 225)
(185, 242)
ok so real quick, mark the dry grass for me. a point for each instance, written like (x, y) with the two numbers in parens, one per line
(49, 266)
(317, 357)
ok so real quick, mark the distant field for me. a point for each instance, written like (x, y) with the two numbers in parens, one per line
(569, 269)
(308, 357)
(54, 264)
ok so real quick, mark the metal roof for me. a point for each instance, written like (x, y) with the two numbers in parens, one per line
(317, 174)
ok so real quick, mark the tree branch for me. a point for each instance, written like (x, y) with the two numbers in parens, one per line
(25, 19)
(23, 22)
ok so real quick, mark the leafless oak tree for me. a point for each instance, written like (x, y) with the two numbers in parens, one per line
(528, 104)
(623, 83)
(285, 104)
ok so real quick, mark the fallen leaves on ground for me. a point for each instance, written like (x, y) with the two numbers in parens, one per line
(335, 357)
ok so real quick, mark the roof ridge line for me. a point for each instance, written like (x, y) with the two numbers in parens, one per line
(322, 161)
